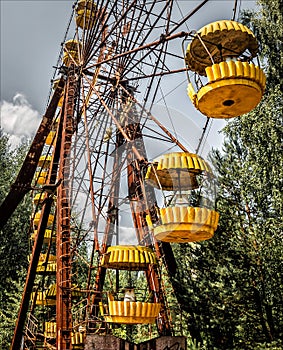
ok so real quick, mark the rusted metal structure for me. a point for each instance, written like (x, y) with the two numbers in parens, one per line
(98, 184)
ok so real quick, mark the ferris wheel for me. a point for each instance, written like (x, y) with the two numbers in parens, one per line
(115, 185)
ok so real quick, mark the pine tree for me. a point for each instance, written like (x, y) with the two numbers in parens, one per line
(231, 286)
(13, 243)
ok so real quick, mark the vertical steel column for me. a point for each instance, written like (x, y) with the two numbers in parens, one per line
(63, 244)
(21, 186)
(140, 206)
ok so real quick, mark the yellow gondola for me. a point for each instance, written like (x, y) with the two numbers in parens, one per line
(42, 300)
(78, 339)
(182, 219)
(72, 49)
(86, 14)
(51, 292)
(221, 51)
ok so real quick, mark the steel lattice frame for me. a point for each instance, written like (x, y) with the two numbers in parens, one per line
(123, 62)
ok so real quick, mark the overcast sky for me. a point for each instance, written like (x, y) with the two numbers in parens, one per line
(31, 34)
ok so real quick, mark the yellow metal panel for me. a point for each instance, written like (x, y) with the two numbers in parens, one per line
(190, 162)
(210, 77)
(111, 258)
(38, 198)
(143, 257)
(176, 170)
(187, 225)
(191, 92)
(148, 220)
(239, 70)
(44, 161)
(41, 177)
(229, 97)
(224, 69)
(232, 69)
(202, 164)
(37, 218)
(246, 68)
(144, 310)
(131, 256)
(196, 164)
(229, 25)
(216, 72)
(139, 306)
(50, 138)
(128, 257)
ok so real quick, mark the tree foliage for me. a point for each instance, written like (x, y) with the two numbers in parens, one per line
(231, 286)
(13, 243)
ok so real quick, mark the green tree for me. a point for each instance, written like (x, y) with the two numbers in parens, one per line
(13, 243)
(231, 286)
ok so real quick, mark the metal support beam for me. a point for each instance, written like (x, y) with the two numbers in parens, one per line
(19, 328)
(142, 201)
(63, 245)
(22, 184)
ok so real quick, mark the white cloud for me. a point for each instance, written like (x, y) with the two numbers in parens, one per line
(18, 119)
(127, 235)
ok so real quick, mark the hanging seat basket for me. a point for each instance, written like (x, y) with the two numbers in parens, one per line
(128, 257)
(72, 50)
(221, 51)
(40, 298)
(185, 224)
(86, 14)
(78, 339)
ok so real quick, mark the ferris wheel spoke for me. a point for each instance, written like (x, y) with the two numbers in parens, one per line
(135, 39)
